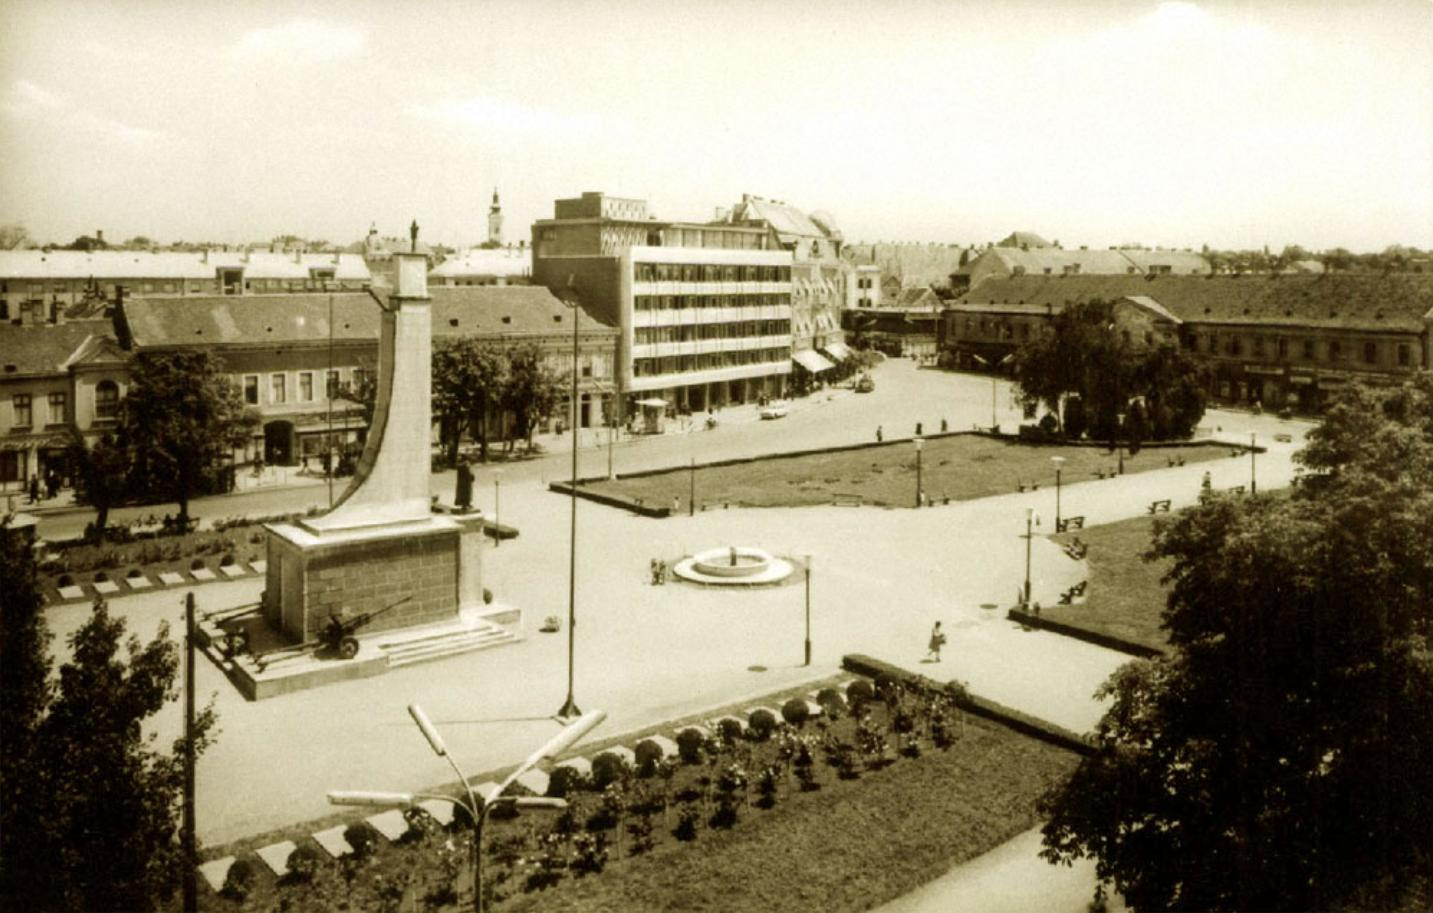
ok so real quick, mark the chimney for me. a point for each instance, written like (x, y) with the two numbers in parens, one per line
(99, 235)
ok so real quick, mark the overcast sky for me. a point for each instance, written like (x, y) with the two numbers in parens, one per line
(1091, 121)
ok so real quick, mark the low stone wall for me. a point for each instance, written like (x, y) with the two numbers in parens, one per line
(611, 500)
(1097, 638)
(973, 703)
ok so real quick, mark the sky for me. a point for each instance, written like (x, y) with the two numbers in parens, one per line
(1099, 122)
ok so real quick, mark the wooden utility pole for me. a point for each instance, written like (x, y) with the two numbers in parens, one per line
(191, 885)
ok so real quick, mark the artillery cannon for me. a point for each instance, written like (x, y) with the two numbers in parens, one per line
(338, 634)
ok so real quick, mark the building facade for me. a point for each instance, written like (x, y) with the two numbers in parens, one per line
(289, 355)
(55, 280)
(703, 310)
(1279, 341)
(1002, 262)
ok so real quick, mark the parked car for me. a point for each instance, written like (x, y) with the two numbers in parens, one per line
(865, 384)
(774, 411)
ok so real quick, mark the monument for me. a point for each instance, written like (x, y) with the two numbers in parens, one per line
(407, 580)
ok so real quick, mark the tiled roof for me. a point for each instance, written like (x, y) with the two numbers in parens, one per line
(107, 265)
(1056, 260)
(1180, 262)
(269, 319)
(1026, 238)
(786, 220)
(1399, 301)
(914, 265)
(44, 348)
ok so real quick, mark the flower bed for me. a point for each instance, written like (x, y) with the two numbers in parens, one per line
(741, 803)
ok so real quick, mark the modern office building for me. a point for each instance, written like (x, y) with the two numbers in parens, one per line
(703, 310)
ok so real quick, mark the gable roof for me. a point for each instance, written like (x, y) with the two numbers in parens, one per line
(787, 221)
(47, 348)
(1398, 301)
(1018, 239)
(912, 264)
(259, 320)
(499, 261)
(108, 265)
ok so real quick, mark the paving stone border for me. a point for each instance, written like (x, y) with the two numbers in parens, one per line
(276, 856)
(333, 841)
(216, 872)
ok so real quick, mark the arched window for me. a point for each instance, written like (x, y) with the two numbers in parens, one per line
(106, 400)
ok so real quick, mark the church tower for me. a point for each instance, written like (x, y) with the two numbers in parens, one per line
(495, 222)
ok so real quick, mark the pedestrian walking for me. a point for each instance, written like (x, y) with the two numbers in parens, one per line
(937, 640)
(879, 435)
(918, 429)
(944, 426)
(34, 488)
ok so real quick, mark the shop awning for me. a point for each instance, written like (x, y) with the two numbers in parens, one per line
(811, 360)
(837, 350)
(653, 403)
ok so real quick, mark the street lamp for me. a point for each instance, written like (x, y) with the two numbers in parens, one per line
(476, 809)
(1029, 535)
(569, 707)
(1253, 485)
(994, 374)
(1059, 462)
(1119, 440)
(497, 507)
(920, 445)
(692, 489)
(807, 560)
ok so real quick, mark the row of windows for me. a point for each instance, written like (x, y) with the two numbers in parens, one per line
(303, 392)
(1308, 348)
(683, 302)
(693, 332)
(710, 272)
(999, 329)
(150, 287)
(647, 367)
(22, 410)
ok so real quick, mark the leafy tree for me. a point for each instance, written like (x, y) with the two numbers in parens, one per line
(1281, 757)
(531, 389)
(362, 392)
(14, 237)
(100, 476)
(90, 817)
(468, 379)
(180, 418)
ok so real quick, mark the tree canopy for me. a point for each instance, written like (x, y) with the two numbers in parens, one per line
(468, 379)
(1086, 357)
(1281, 756)
(180, 418)
(531, 388)
(89, 807)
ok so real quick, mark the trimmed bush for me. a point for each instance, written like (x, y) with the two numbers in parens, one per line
(565, 781)
(689, 744)
(649, 755)
(831, 702)
(796, 712)
(731, 729)
(240, 880)
(362, 838)
(304, 863)
(860, 692)
(763, 723)
(197, 564)
(134, 572)
(608, 768)
(101, 577)
(65, 580)
(227, 560)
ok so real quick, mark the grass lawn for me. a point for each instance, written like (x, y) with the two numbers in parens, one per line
(847, 844)
(960, 467)
(1125, 597)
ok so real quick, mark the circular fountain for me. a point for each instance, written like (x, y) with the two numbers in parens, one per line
(734, 565)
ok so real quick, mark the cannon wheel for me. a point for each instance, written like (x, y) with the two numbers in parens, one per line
(348, 647)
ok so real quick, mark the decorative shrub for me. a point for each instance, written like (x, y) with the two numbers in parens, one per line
(730, 729)
(860, 692)
(649, 755)
(607, 768)
(589, 853)
(421, 825)
(832, 703)
(886, 687)
(304, 863)
(134, 572)
(487, 596)
(686, 828)
(640, 830)
(796, 712)
(361, 837)
(763, 723)
(240, 880)
(65, 580)
(196, 564)
(227, 560)
(689, 744)
(565, 781)
(101, 577)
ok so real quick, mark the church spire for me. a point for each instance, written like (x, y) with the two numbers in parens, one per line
(495, 222)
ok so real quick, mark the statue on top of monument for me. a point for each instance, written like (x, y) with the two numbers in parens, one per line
(413, 235)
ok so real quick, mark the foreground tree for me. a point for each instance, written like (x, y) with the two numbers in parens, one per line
(180, 419)
(1084, 357)
(531, 389)
(1281, 757)
(100, 473)
(468, 379)
(90, 812)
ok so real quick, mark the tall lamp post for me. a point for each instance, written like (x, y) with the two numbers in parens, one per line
(1059, 462)
(1253, 484)
(692, 489)
(1029, 535)
(497, 506)
(920, 445)
(994, 374)
(806, 559)
(477, 809)
(569, 707)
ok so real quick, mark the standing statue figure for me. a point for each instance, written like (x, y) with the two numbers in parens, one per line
(464, 496)
(413, 236)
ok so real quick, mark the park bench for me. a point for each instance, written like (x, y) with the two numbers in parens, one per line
(1077, 549)
(1073, 593)
(1284, 438)
(1033, 486)
(1176, 461)
(1070, 523)
(1158, 506)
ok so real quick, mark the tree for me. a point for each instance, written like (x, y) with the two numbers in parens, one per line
(14, 236)
(468, 378)
(90, 817)
(181, 418)
(1281, 756)
(100, 476)
(531, 389)
(362, 392)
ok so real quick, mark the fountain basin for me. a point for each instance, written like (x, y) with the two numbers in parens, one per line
(733, 566)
